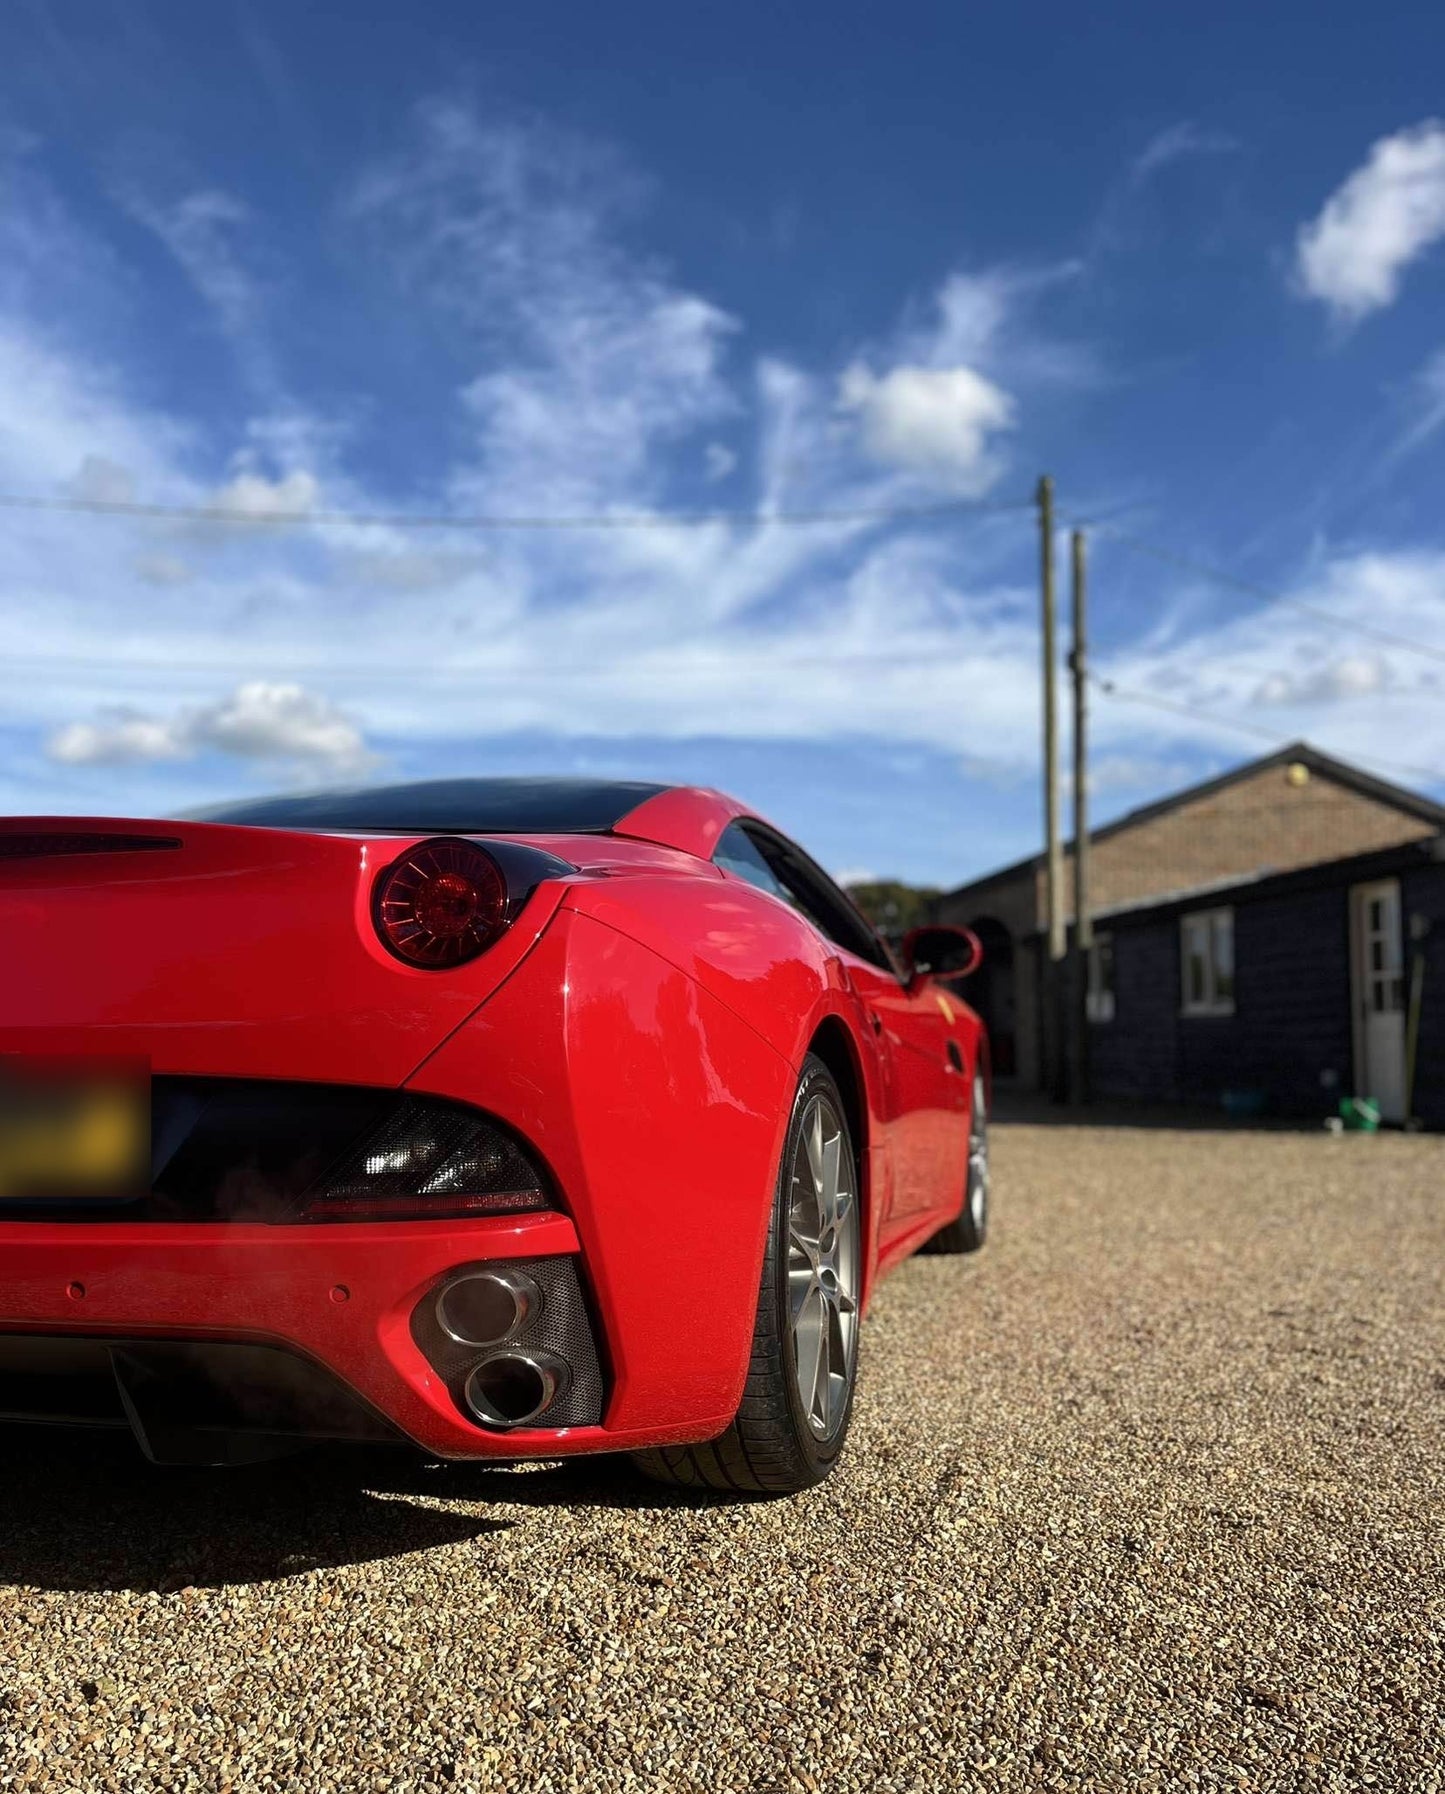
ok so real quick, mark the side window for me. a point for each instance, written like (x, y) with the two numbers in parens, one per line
(778, 867)
(1206, 955)
(736, 853)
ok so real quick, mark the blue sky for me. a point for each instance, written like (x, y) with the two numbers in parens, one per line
(582, 261)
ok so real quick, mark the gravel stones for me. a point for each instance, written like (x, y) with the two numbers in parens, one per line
(1146, 1495)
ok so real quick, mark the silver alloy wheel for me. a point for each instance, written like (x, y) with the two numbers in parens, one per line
(978, 1157)
(823, 1267)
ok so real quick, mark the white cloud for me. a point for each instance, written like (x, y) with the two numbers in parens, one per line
(1386, 215)
(1277, 667)
(971, 315)
(253, 495)
(718, 461)
(1351, 676)
(119, 738)
(259, 721)
(591, 378)
(933, 421)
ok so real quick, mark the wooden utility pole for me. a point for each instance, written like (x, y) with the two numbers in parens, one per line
(1083, 918)
(1052, 1055)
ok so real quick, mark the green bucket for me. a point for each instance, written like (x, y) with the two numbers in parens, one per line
(1361, 1114)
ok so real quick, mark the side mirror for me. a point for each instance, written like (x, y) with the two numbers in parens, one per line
(940, 951)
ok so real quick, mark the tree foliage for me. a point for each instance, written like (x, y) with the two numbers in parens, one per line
(891, 906)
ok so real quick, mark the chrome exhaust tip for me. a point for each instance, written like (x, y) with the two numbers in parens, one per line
(509, 1389)
(487, 1308)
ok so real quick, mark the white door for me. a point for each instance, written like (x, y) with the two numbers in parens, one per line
(1379, 996)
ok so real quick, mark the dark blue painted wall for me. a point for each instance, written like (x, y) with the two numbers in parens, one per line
(1290, 1034)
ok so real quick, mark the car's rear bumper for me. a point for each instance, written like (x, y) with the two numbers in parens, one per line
(658, 1117)
(341, 1298)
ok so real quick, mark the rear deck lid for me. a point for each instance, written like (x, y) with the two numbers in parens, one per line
(222, 950)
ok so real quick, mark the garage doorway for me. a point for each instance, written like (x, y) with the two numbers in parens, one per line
(1377, 985)
(991, 992)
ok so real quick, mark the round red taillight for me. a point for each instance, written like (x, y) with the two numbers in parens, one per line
(441, 904)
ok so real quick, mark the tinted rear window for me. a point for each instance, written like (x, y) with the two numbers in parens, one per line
(450, 807)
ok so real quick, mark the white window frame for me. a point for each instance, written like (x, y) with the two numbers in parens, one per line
(1099, 997)
(1213, 925)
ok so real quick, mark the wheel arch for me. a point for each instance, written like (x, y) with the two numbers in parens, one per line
(834, 1044)
(983, 1061)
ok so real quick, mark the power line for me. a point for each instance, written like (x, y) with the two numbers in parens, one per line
(708, 658)
(1251, 589)
(620, 520)
(1193, 711)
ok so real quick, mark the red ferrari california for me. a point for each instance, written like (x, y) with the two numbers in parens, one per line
(514, 1118)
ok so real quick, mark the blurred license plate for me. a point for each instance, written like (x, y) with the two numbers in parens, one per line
(73, 1131)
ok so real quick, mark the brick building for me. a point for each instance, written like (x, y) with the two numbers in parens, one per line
(1256, 933)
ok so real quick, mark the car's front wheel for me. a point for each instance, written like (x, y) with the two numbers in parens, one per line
(798, 1399)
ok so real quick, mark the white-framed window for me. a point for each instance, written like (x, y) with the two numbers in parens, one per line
(1206, 956)
(1099, 997)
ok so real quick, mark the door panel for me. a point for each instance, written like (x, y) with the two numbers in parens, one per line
(929, 1130)
(925, 1125)
(1379, 996)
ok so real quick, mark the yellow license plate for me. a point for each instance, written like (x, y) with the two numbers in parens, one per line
(73, 1131)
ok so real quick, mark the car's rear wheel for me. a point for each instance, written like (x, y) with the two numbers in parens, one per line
(798, 1399)
(969, 1231)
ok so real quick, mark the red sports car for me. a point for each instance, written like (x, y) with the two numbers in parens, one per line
(514, 1118)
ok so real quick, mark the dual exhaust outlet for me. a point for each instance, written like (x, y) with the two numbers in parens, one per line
(512, 1385)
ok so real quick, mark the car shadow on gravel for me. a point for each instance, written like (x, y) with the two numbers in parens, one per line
(84, 1511)
(609, 1480)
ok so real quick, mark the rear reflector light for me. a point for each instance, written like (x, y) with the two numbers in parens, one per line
(441, 904)
(428, 1160)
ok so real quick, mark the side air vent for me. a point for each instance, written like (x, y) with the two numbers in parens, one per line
(44, 846)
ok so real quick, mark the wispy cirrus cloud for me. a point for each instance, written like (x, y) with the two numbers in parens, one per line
(1425, 406)
(1176, 143)
(594, 362)
(1281, 668)
(589, 376)
(203, 232)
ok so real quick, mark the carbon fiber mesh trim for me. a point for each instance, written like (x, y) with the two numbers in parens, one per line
(562, 1327)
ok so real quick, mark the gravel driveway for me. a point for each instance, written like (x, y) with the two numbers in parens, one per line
(1149, 1494)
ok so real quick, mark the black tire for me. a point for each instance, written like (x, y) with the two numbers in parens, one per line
(772, 1448)
(970, 1230)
